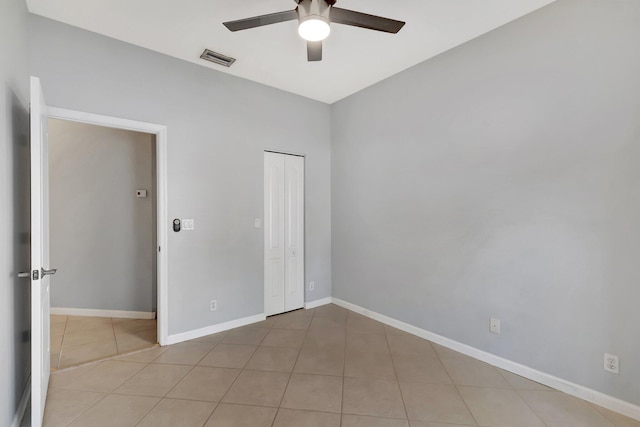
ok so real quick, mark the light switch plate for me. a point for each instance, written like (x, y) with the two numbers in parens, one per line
(188, 224)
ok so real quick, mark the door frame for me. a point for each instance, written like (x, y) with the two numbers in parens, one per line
(160, 132)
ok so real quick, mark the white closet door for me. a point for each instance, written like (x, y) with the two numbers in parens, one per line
(294, 232)
(283, 232)
(273, 233)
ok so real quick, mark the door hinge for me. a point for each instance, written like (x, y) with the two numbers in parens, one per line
(35, 275)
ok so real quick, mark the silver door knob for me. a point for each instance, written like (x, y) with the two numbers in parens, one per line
(48, 272)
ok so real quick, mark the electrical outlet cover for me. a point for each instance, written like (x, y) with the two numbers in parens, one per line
(611, 363)
(494, 325)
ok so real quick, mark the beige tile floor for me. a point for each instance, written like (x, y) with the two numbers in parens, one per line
(325, 367)
(76, 340)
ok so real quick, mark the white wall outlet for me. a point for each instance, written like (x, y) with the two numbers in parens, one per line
(257, 223)
(611, 363)
(312, 285)
(188, 224)
(494, 325)
(213, 305)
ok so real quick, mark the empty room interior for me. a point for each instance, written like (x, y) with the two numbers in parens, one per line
(426, 216)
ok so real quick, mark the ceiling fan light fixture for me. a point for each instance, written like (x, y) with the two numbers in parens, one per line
(314, 28)
(314, 19)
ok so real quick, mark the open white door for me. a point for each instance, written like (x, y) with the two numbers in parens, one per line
(40, 361)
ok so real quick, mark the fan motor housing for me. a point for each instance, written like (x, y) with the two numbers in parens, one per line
(313, 9)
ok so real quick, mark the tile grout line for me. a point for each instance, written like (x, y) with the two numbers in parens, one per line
(188, 372)
(86, 410)
(92, 343)
(115, 340)
(530, 407)
(455, 386)
(115, 357)
(197, 364)
(306, 334)
(126, 334)
(517, 392)
(180, 380)
(111, 393)
(395, 372)
(604, 415)
(509, 387)
(237, 376)
(150, 363)
(64, 332)
(107, 394)
(149, 411)
(344, 366)
(171, 388)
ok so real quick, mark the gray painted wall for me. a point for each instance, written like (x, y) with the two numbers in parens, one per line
(102, 235)
(15, 356)
(218, 126)
(501, 179)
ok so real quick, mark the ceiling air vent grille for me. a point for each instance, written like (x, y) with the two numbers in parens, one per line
(218, 58)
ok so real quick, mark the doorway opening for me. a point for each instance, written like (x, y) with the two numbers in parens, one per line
(107, 206)
(102, 205)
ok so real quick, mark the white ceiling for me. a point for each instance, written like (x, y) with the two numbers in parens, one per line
(275, 55)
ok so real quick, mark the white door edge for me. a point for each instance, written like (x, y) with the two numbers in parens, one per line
(40, 332)
(273, 243)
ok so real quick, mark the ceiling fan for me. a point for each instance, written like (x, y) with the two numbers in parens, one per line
(314, 17)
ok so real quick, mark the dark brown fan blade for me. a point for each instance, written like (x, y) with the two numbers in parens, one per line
(259, 21)
(314, 51)
(363, 20)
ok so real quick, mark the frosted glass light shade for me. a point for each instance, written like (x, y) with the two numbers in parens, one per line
(314, 28)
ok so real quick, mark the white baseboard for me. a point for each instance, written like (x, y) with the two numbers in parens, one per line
(221, 327)
(593, 396)
(123, 314)
(22, 406)
(317, 303)
(214, 329)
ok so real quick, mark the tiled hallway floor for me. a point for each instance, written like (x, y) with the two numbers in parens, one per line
(76, 340)
(325, 367)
